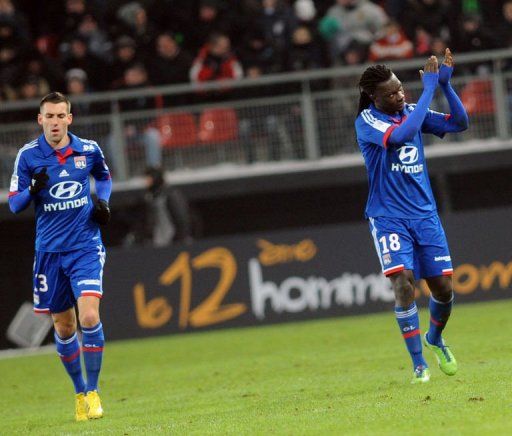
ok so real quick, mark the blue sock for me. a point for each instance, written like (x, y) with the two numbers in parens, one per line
(69, 352)
(92, 347)
(439, 314)
(409, 323)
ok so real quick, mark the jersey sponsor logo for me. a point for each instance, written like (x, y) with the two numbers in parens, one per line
(408, 169)
(66, 190)
(65, 205)
(63, 173)
(408, 154)
(442, 259)
(80, 162)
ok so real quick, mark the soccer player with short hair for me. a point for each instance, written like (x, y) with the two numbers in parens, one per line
(53, 172)
(401, 209)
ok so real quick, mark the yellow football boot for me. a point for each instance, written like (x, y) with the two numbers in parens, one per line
(80, 407)
(94, 409)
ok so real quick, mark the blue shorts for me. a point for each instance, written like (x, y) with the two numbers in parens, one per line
(61, 278)
(418, 245)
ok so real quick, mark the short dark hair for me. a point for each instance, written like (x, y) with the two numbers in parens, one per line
(55, 97)
(368, 83)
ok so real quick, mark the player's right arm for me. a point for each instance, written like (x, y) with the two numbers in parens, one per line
(24, 184)
(399, 135)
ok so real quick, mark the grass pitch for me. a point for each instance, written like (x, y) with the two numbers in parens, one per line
(336, 376)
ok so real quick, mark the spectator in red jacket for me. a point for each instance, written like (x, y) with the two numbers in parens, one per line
(216, 61)
(394, 44)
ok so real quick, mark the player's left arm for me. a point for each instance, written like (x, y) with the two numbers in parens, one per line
(458, 119)
(103, 182)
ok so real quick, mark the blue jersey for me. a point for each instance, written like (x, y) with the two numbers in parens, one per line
(399, 186)
(63, 210)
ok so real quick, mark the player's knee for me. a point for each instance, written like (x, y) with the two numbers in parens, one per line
(64, 329)
(404, 292)
(443, 293)
(89, 318)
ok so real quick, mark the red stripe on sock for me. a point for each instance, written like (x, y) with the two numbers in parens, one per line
(435, 322)
(92, 349)
(411, 334)
(70, 358)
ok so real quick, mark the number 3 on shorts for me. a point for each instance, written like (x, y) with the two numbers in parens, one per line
(43, 284)
(394, 243)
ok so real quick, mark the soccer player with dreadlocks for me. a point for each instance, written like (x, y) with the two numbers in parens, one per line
(401, 209)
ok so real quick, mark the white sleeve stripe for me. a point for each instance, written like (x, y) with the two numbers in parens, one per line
(368, 114)
(22, 149)
(375, 242)
(379, 125)
(88, 141)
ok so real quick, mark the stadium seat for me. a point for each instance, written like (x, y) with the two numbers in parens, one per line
(177, 129)
(478, 97)
(218, 125)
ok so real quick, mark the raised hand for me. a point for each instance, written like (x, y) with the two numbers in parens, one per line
(448, 58)
(431, 66)
(446, 70)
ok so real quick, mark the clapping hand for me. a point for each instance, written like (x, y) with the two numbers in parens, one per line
(446, 70)
(431, 66)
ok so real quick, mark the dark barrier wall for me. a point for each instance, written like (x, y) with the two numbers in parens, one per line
(289, 275)
(267, 278)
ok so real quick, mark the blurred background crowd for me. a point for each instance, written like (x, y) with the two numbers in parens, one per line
(82, 46)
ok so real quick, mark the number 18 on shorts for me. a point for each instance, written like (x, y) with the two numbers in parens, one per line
(418, 245)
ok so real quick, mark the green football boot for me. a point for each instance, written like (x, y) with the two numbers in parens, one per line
(444, 356)
(421, 375)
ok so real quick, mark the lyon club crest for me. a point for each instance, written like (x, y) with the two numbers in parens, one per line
(80, 162)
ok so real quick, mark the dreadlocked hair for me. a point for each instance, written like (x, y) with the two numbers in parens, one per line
(368, 82)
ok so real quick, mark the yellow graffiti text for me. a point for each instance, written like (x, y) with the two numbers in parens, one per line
(153, 313)
(468, 278)
(273, 254)
(157, 312)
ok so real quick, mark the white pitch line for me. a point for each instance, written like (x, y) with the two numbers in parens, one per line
(21, 352)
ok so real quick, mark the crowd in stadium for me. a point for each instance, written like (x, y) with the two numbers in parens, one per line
(93, 45)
